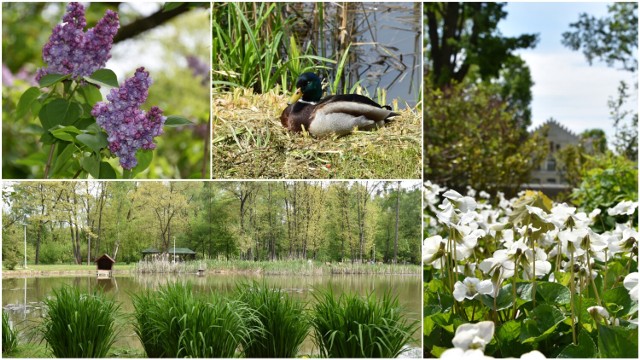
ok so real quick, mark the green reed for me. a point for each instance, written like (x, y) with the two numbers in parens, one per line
(280, 319)
(352, 326)
(173, 322)
(79, 325)
(9, 335)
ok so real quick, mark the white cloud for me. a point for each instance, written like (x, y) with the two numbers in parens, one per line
(569, 90)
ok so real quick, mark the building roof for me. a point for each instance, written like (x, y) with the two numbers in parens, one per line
(105, 256)
(554, 125)
(170, 250)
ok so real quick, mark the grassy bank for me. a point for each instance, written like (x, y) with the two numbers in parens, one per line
(288, 267)
(250, 142)
(33, 350)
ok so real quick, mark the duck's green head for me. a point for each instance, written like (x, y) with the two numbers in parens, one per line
(308, 87)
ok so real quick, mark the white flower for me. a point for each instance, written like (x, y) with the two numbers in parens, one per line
(541, 265)
(623, 208)
(458, 354)
(474, 336)
(430, 248)
(500, 260)
(463, 203)
(470, 287)
(598, 312)
(533, 355)
(631, 283)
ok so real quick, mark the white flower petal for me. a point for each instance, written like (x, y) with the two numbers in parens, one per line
(459, 291)
(474, 336)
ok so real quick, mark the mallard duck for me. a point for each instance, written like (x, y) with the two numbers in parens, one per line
(337, 114)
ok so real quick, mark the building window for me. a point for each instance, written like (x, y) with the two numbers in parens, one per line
(551, 146)
(551, 180)
(557, 147)
(551, 164)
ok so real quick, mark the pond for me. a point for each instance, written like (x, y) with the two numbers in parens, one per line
(22, 298)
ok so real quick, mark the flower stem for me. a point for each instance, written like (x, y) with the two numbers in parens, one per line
(127, 174)
(572, 297)
(593, 283)
(47, 167)
(515, 295)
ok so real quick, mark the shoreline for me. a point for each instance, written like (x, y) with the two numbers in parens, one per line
(19, 274)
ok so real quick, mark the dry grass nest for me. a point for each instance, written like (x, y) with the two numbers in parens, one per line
(250, 143)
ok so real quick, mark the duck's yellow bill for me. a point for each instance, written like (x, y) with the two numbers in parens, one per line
(296, 96)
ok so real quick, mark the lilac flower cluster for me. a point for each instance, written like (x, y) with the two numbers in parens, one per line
(129, 128)
(72, 51)
(199, 68)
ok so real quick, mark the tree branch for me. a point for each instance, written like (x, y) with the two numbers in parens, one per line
(141, 25)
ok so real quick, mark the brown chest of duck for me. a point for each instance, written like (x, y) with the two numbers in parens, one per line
(336, 114)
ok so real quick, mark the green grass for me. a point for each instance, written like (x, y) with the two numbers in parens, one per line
(30, 350)
(172, 322)
(9, 335)
(79, 325)
(280, 319)
(68, 267)
(250, 142)
(360, 327)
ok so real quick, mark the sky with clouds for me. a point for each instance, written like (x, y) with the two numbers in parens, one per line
(566, 87)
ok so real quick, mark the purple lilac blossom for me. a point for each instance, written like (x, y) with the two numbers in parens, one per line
(129, 128)
(199, 68)
(71, 51)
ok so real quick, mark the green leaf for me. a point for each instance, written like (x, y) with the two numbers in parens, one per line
(617, 342)
(63, 160)
(144, 160)
(431, 309)
(585, 349)
(503, 301)
(91, 164)
(107, 171)
(27, 98)
(59, 112)
(619, 296)
(95, 142)
(170, 6)
(66, 133)
(103, 77)
(542, 322)
(508, 339)
(52, 79)
(174, 120)
(553, 293)
(91, 94)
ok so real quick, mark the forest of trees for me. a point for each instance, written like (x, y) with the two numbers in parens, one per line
(75, 222)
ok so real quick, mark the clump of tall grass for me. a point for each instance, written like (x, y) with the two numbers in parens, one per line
(360, 327)
(173, 322)
(9, 335)
(253, 47)
(183, 267)
(79, 325)
(280, 319)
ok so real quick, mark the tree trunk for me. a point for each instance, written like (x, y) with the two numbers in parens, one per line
(395, 244)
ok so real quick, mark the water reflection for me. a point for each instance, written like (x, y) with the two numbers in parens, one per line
(22, 298)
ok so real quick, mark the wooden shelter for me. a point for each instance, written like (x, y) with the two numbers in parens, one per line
(179, 254)
(104, 266)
